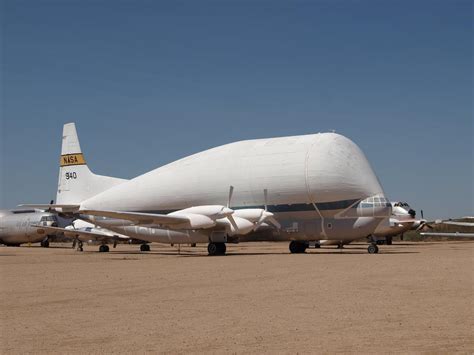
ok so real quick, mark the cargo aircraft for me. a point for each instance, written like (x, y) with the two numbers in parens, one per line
(298, 188)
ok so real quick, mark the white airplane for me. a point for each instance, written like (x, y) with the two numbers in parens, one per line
(299, 189)
(81, 231)
(16, 229)
(401, 220)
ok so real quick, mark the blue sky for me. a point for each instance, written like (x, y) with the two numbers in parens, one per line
(149, 82)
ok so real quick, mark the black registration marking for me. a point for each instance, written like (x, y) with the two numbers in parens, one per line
(71, 175)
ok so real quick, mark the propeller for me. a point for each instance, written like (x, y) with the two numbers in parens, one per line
(267, 216)
(230, 211)
(423, 222)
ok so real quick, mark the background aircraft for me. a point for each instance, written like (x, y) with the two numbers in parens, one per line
(82, 232)
(401, 220)
(465, 229)
(16, 227)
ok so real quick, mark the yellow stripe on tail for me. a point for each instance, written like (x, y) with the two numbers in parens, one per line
(72, 159)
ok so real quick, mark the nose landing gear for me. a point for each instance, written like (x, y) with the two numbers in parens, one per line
(373, 249)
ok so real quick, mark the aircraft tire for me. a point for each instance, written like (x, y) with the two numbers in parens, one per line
(103, 248)
(373, 249)
(144, 247)
(222, 248)
(297, 247)
(216, 249)
(45, 243)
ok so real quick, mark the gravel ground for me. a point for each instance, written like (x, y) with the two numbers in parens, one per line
(412, 297)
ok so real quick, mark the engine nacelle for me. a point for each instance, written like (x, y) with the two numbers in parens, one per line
(250, 214)
(196, 221)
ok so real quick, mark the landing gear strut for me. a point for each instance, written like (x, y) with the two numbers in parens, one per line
(298, 247)
(216, 249)
(79, 246)
(144, 247)
(104, 248)
(388, 240)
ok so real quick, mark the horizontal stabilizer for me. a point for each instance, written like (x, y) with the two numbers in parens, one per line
(58, 207)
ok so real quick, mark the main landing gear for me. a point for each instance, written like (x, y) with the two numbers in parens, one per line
(144, 247)
(45, 243)
(216, 249)
(298, 247)
(104, 248)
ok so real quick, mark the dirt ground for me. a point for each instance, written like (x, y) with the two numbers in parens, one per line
(415, 297)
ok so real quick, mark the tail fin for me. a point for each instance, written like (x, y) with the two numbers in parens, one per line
(76, 182)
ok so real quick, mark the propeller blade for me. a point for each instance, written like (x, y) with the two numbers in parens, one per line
(268, 216)
(273, 221)
(232, 221)
(231, 191)
(265, 196)
(421, 212)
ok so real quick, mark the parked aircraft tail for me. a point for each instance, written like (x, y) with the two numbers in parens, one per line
(76, 182)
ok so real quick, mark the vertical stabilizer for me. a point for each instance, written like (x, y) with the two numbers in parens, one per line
(76, 182)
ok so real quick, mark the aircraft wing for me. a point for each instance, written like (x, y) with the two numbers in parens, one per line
(140, 218)
(77, 233)
(455, 234)
(454, 223)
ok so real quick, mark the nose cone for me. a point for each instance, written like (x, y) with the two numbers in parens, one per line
(337, 169)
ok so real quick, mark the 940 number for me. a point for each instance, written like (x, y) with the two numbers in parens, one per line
(71, 175)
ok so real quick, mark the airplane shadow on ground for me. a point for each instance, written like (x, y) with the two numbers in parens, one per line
(232, 253)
